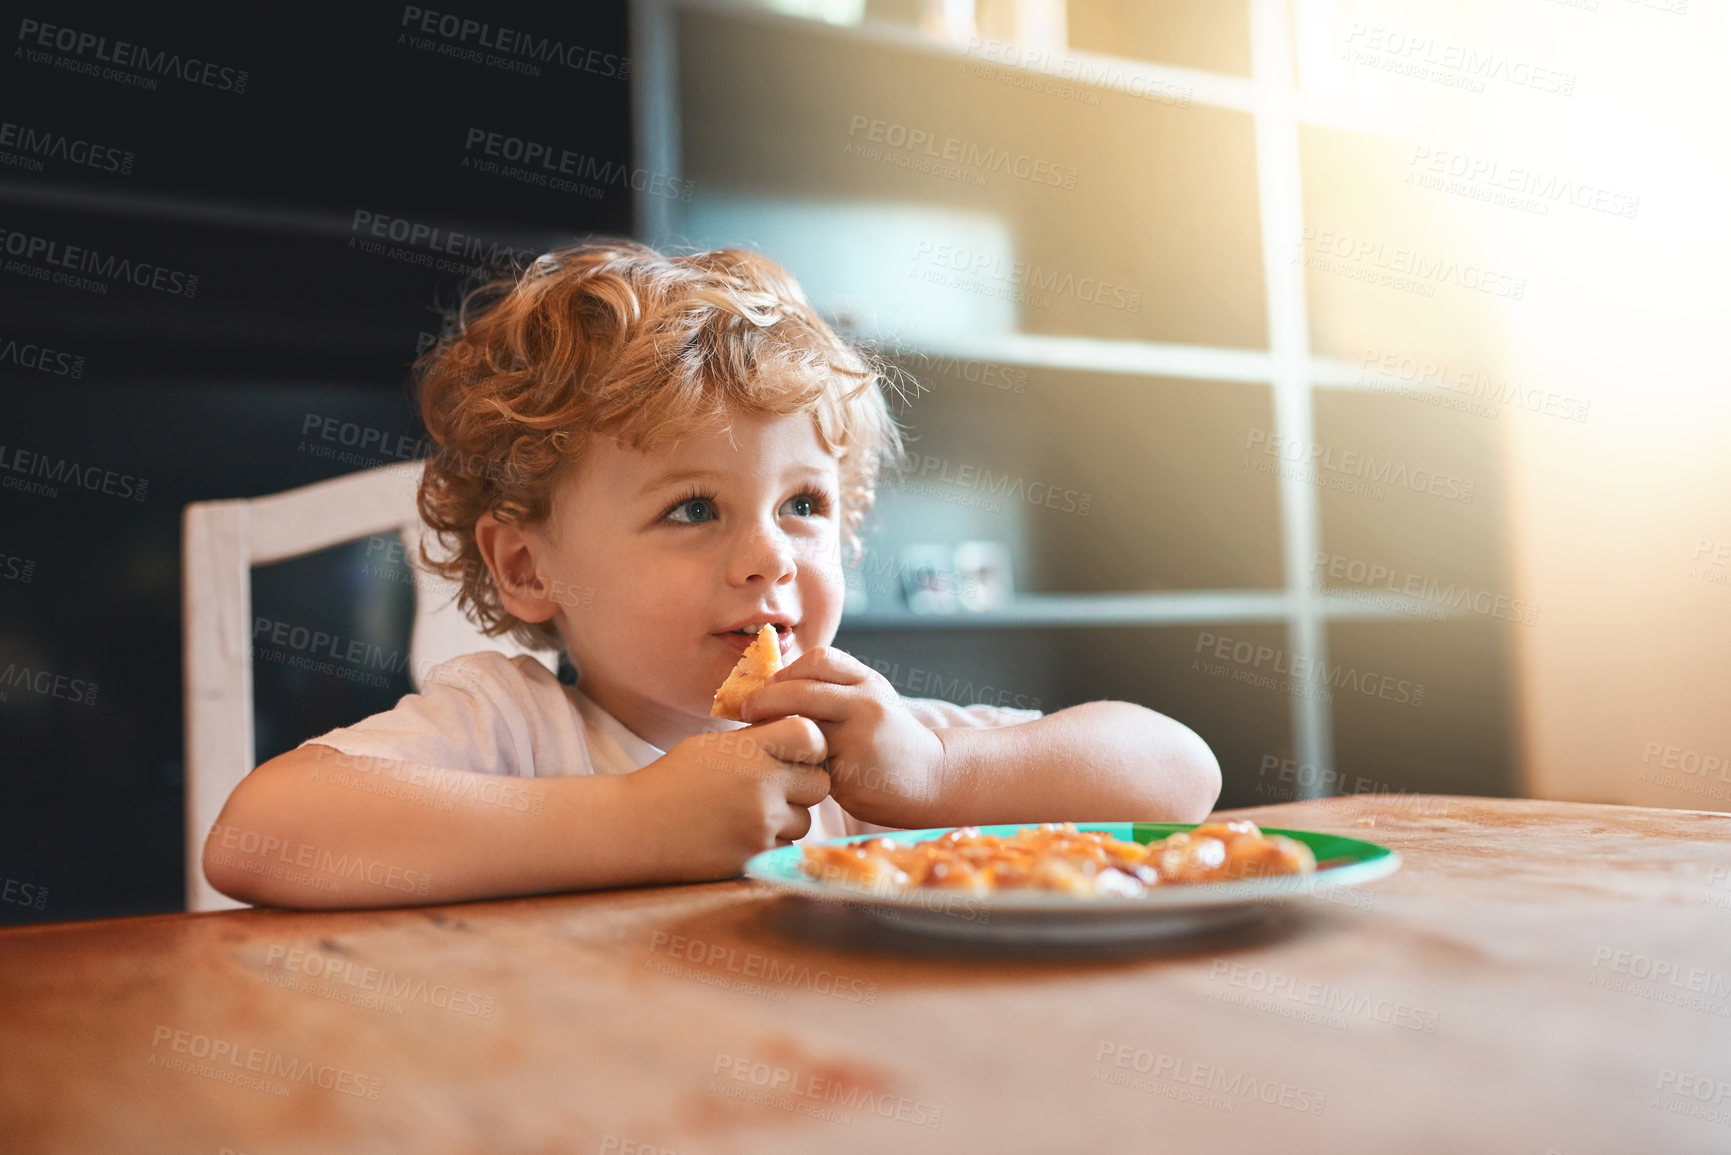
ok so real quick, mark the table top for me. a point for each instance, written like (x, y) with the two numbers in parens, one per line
(1538, 977)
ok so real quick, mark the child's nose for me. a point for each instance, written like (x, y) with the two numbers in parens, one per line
(766, 555)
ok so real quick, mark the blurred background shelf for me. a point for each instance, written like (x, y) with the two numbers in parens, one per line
(1093, 354)
(1195, 160)
(1178, 607)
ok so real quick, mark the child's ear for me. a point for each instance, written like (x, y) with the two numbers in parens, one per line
(510, 553)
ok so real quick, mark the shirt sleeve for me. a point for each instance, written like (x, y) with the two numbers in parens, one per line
(483, 712)
(939, 715)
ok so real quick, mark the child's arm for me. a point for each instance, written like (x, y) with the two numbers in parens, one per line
(1100, 761)
(318, 828)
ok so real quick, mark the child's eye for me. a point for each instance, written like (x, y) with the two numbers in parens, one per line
(691, 511)
(811, 504)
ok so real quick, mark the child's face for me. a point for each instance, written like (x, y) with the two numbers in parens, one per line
(687, 548)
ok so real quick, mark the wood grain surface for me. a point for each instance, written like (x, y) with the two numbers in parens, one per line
(1538, 977)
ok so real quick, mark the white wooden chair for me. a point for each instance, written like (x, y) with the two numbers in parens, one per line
(221, 542)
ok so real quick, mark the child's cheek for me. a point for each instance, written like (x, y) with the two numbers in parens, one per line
(821, 603)
(820, 567)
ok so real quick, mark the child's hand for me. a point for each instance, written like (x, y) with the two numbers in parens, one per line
(883, 762)
(722, 797)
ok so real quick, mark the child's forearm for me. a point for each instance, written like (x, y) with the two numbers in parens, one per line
(1100, 761)
(317, 828)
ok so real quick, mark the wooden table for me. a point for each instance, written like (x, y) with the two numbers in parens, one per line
(1539, 977)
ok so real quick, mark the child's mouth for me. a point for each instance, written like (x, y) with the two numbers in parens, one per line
(739, 639)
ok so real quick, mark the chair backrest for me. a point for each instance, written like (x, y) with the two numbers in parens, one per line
(221, 542)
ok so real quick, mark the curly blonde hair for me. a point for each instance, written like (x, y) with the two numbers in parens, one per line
(616, 339)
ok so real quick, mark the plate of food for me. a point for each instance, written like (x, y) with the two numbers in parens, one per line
(1073, 881)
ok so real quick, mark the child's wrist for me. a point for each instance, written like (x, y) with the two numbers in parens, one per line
(912, 804)
(640, 831)
(949, 778)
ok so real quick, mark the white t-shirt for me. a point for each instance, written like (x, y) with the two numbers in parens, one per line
(489, 713)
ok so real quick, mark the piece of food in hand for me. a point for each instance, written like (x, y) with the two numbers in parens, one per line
(761, 659)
